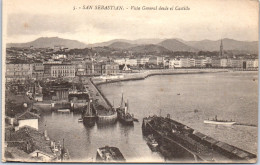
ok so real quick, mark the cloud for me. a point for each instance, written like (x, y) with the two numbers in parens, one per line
(205, 20)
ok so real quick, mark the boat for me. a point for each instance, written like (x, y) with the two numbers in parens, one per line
(63, 110)
(80, 120)
(88, 115)
(152, 143)
(180, 141)
(109, 154)
(219, 122)
(123, 115)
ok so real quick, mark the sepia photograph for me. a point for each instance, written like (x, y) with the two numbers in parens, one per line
(133, 81)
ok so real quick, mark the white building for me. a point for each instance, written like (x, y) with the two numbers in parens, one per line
(174, 63)
(27, 119)
(256, 63)
(223, 62)
(142, 61)
(192, 62)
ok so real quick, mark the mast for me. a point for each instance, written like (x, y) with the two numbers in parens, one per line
(89, 109)
(127, 106)
(122, 101)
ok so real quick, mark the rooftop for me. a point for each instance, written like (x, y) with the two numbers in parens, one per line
(27, 115)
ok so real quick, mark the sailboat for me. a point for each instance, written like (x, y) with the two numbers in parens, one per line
(88, 116)
(123, 113)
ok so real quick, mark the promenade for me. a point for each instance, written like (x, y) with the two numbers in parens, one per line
(142, 74)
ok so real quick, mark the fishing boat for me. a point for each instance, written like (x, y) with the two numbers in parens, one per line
(109, 154)
(152, 143)
(219, 122)
(88, 115)
(123, 113)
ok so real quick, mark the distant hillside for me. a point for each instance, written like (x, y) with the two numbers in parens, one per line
(228, 44)
(45, 42)
(175, 45)
(148, 49)
(134, 42)
(121, 45)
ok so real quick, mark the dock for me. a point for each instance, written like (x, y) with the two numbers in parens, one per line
(195, 145)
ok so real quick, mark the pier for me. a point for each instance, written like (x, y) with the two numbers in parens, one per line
(190, 141)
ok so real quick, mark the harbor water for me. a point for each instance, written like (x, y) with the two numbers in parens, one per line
(188, 98)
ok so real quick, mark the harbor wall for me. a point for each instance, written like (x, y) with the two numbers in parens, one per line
(231, 152)
(145, 74)
(109, 118)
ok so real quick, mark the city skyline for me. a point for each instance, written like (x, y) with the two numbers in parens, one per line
(205, 20)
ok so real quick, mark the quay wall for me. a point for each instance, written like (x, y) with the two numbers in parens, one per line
(144, 74)
(102, 95)
(109, 118)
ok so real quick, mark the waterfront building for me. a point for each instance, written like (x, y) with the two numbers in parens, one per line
(89, 68)
(80, 66)
(184, 62)
(200, 62)
(256, 63)
(120, 61)
(127, 61)
(109, 68)
(216, 62)
(236, 63)
(27, 119)
(21, 72)
(59, 70)
(174, 63)
(63, 70)
(97, 69)
(131, 62)
(142, 61)
(223, 62)
(156, 60)
(38, 71)
(192, 62)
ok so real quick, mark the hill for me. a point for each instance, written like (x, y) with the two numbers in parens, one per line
(175, 45)
(150, 48)
(228, 44)
(121, 45)
(45, 42)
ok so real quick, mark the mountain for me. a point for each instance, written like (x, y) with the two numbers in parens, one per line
(228, 44)
(150, 48)
(45, 42)
(107, 43)
(175, 45)
(135, 42)
(121, 45)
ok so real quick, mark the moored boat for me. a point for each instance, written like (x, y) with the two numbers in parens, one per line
(109, 154)
(123, 113)
(152, 143)
(89, 116)
(63, 110)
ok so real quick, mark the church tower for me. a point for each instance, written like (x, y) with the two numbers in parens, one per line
(221, 49)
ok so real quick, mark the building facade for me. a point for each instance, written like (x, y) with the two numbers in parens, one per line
(21, 72)
(62, 70)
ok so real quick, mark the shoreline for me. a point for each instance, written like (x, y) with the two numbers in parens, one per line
(144, 75)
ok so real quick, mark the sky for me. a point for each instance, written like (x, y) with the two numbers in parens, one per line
(28, 20)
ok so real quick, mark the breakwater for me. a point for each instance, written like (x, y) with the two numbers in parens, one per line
(141, 75)
(204, 147)
(105, 111)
